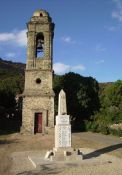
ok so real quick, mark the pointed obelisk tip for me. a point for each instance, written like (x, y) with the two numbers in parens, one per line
(62, 108)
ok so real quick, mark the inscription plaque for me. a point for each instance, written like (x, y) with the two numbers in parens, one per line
(62, 120)
(63, 136)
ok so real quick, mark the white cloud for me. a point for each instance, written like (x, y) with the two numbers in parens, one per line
(10, 55)
(117, 13)
(99, 48)
(99, 61)
(68, 39)
(78, 67)
(17, 37)
(113, 28)
(6, 37)
(61, 68)
(21, 38)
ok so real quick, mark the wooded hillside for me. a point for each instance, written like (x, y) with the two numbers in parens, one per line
(91, 105)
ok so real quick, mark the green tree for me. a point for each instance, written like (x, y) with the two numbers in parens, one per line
(9, 87)
(111, 102)
(110, 111)
(88, 96)
(81, 93)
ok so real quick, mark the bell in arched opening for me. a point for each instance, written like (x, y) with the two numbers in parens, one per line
(40, 43)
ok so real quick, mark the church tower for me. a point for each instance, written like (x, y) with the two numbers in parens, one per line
(38, 100)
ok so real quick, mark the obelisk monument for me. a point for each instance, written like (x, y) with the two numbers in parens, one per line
(63, 149)
(62, 127)
(62, 107)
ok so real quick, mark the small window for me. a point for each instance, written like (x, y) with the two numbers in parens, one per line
(38, 80)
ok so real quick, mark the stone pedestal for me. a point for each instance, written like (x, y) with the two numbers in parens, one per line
(62, 132)
(62, 137)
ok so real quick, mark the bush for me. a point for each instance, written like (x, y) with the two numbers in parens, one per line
(116, 132)
(104, 130)
(88, 125)
(95, 126)
(91, 126)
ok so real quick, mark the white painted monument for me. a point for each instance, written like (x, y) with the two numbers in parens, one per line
(62, 127)
(62, 107)
(63, 150)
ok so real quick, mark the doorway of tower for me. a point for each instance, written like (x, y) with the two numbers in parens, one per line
(38, 123)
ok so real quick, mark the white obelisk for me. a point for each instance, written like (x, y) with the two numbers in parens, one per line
(62, 107)
(62, 127)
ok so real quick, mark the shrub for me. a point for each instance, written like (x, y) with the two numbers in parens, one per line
(116, 132)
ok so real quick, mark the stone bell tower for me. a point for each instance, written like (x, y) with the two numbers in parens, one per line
(38, 100)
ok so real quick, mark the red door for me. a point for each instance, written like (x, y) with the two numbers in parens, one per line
(38, 123)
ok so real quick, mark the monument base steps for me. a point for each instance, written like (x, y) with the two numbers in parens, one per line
(64, 154)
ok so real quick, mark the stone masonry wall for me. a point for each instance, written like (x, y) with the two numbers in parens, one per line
(31, 105)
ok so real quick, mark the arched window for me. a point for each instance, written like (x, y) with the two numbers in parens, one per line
(40, 45)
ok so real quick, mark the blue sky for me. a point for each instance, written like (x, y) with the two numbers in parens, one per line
(88, 35)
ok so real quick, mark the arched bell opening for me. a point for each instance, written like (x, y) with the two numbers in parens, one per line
(40, 45)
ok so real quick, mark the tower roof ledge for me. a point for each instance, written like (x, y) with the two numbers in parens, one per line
(41, 12)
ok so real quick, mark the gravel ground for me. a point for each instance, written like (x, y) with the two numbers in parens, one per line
(96, 165)
(96, 148)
